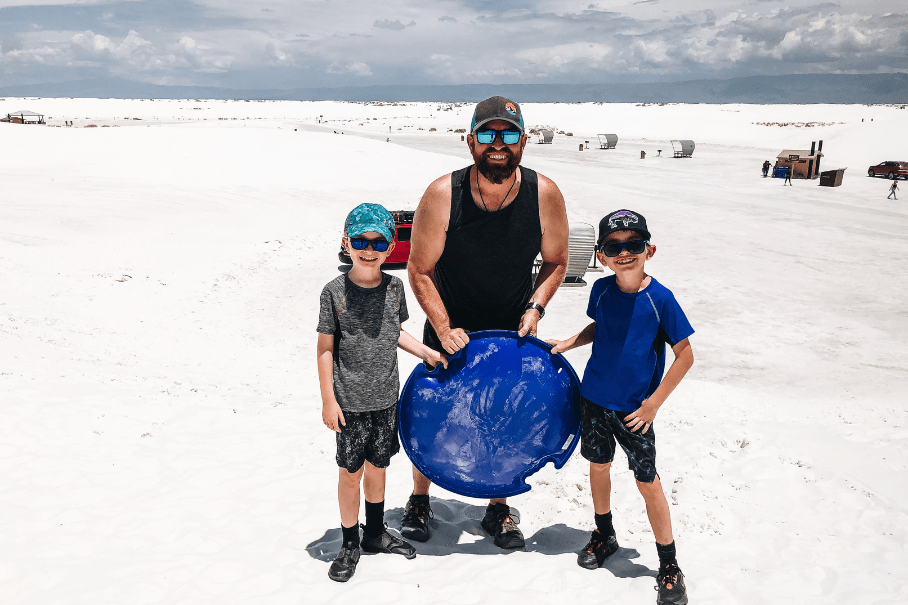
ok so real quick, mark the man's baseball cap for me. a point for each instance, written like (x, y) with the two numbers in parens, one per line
(622, 220)
(496, 108)
(370, 217)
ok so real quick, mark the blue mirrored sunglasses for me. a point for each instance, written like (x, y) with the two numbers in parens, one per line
(361, 243)
(508, 137)
(636, 246)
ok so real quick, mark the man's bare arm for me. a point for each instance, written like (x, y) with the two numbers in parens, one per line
(427, 242)
(554, 249)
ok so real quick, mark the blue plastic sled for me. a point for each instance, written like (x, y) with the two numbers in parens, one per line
(503, 408)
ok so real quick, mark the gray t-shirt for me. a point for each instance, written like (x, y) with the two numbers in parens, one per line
(365, 323)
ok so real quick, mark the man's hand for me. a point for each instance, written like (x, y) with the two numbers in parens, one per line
(332, 415)
(435, 359)
(643, 417)
(453, 339)
(528, 323)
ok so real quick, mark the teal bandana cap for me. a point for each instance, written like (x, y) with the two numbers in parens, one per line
(370, 217)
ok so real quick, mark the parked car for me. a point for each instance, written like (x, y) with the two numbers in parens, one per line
(891, 170)
(403, 220)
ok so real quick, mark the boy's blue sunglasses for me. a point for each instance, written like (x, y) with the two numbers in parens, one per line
(636, 246)
(508, 137)
(361, 243)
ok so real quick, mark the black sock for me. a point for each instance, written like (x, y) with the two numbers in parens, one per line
(666, 554)
(604, 524)
(351, 534)
(422, 499)
(375, 518)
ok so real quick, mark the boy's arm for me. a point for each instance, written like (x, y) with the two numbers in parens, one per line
(409, 344)
(583, 337)
(332, 415)
(646, 413)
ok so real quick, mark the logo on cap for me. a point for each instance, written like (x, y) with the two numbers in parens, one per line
(509, 107)
(624, 216)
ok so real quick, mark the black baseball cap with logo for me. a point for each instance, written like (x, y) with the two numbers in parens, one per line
(496, 108)
(622, 220)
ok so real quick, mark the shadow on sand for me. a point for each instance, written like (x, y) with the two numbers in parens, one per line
(456, 529)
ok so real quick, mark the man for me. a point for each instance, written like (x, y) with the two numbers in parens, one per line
(476, 234)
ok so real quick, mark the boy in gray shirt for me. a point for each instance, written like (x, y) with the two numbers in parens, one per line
(359, 330)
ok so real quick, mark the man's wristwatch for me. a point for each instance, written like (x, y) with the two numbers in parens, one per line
(537, 306)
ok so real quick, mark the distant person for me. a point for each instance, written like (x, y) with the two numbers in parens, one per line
(766, 166)
(634, 317)
(359, 331)
(892, 189)
(787, 180)
(476, 235)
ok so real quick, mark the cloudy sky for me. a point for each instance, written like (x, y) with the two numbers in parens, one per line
(306, 43)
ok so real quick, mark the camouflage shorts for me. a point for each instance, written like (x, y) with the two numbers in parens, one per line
(600, 428)
(368, 436)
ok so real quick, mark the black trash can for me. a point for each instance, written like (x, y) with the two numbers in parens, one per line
(831, 178)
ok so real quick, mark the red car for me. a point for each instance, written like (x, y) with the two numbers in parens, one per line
(403, 220)
(891, 170)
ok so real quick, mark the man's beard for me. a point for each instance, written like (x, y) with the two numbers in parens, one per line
(497, 173)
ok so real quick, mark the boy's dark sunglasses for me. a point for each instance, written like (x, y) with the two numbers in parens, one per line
(636, 246)
(361, 243)
(508, 137)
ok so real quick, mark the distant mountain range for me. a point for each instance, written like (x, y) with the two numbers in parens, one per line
(808, 88)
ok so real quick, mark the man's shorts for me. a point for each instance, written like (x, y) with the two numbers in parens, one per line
(600, 428)
(368, 436)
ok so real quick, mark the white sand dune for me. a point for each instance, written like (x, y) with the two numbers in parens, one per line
(162, 440)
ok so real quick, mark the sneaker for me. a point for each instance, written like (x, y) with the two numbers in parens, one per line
(344, 564)
(386, 543)
(597, 550)
(670, 584)
(415, 523)
(502, 526)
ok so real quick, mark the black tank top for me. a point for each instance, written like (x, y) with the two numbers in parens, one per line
(485, 273)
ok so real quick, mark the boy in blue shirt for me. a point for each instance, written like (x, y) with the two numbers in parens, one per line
(634, 317)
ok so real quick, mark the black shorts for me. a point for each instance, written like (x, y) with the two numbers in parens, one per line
(368, 436)
(600, 428)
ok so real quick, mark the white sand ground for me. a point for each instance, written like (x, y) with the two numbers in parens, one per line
(161, 440)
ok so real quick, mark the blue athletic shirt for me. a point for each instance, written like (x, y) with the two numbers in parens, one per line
(628, 358)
